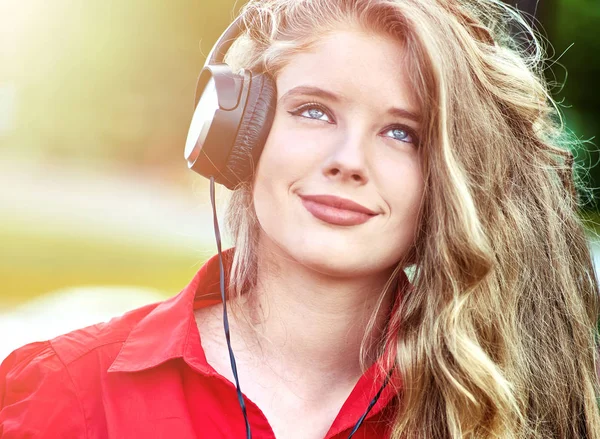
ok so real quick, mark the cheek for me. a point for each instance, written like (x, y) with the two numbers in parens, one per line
(289, 154)
(283, 161)
(402, 185)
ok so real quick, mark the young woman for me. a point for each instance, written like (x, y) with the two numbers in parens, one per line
(405, 136)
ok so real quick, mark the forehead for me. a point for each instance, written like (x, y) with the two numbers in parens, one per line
(360, 67)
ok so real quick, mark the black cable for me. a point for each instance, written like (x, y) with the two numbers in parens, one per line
(371, 404)
(225, 319)
(227, 334)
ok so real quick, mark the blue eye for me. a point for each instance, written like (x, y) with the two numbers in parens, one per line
(312, 112)
(400, 134)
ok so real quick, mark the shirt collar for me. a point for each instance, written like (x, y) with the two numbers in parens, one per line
(169, 331)
(148, 344)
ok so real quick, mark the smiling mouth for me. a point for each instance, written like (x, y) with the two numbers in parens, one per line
(337, 211)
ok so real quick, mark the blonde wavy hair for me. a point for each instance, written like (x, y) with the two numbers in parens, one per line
(497, 335)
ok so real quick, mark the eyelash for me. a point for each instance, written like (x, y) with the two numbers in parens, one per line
(310, 105)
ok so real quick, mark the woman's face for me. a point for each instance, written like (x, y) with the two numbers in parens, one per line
(346, 128)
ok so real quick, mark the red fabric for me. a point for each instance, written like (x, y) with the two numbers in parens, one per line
(145, 375)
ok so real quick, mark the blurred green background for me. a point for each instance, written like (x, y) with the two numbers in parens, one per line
(95, 101)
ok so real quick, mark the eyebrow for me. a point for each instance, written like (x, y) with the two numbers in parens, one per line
(307, 90)
(405, 114)
(311, 91)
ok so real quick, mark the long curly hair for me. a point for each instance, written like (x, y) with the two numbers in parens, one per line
(497, 335)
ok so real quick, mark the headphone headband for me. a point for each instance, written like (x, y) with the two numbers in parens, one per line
(218, 51)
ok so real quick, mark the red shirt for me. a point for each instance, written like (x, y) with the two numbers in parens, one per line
(145, 375)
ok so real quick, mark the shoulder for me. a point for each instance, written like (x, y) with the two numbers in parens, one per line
(37, 396)
(102, 337)
(40, 383)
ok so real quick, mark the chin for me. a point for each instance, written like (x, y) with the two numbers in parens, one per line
(338, 259)
(333, 264)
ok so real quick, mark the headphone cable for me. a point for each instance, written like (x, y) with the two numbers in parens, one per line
(225, 319)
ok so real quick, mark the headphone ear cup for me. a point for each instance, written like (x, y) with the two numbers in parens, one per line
(254, 128)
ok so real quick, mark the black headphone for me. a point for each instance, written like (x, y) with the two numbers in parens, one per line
(232, 119)
(229, 128)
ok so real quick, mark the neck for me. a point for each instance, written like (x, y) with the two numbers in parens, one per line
(311, 325)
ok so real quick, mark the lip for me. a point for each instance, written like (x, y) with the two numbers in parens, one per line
(336, 210)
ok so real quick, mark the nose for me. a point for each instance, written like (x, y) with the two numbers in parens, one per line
(348, 160)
